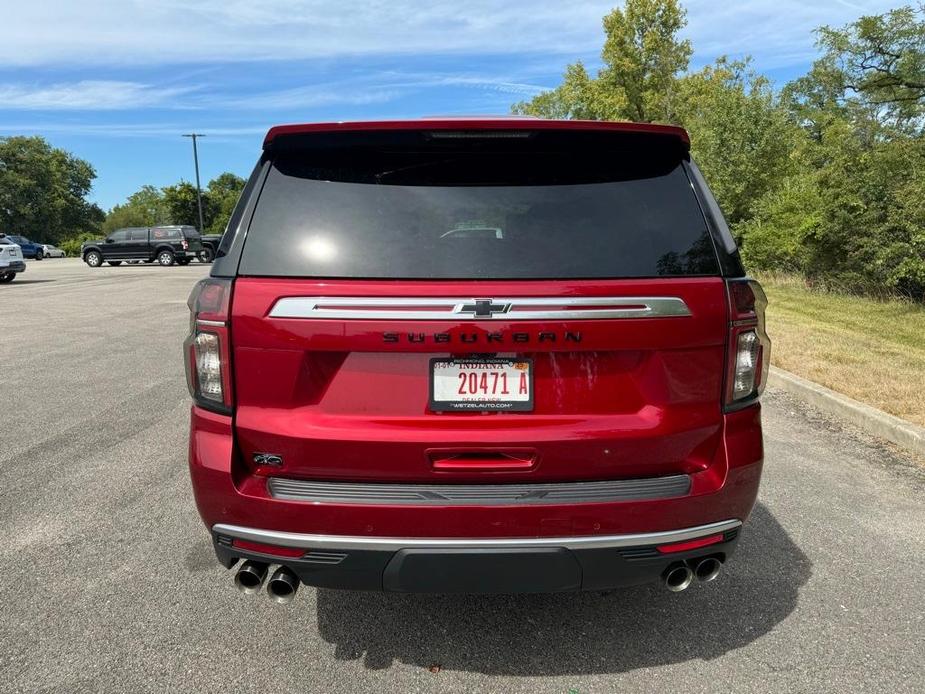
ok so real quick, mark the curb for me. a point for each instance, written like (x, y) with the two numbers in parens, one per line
(869, 419)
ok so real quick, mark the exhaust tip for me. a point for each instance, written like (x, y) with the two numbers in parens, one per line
(678, 578)
(250, 577)
(708, 569)
(282, 585)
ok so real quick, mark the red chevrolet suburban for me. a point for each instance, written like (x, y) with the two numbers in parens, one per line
(475, 355)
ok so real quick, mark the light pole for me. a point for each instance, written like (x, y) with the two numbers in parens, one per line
(193, 136)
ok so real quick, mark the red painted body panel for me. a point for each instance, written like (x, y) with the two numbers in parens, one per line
(432, 124)
(226, 492)
(634, 398)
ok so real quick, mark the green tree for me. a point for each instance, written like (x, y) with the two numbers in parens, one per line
(852, 213)
(223, 193)
(741, 138)
(882, 58)
(182, 206)
(642, 57)
(143, 208)
(177, 204)
(43, 190)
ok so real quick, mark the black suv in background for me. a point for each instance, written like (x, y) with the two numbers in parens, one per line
(165, 244)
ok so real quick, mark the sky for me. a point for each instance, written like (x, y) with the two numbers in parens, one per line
(117, 82)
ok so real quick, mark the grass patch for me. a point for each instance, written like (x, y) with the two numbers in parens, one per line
(871, 350)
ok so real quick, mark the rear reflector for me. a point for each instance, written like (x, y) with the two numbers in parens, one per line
(688, 545)
(275, 550)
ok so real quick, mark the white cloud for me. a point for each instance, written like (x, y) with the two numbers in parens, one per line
(486, 83)
(125, 36)
(104, 32)
(158, 32)
(95, 95)
(374, 88)
(366, 89)
(309, 97)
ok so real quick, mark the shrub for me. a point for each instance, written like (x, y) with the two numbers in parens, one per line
(71, 246)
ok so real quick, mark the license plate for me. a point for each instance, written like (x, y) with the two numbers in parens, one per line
(475, 385)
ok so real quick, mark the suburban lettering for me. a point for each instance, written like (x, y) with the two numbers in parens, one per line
(474, 338)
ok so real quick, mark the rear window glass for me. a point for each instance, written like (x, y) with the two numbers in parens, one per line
(476, 215)
(165, 233)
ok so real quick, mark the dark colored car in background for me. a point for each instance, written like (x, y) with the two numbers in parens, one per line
(570, 402)
(165, 245)
(29, 248)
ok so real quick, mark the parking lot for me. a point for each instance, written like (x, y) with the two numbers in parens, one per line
(109, 582)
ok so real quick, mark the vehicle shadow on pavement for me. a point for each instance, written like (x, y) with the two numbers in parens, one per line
(576, 633)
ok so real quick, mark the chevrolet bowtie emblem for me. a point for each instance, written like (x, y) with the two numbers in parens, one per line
(483, 308)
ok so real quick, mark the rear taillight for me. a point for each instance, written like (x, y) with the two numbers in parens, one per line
(207, 349)
(749, 348)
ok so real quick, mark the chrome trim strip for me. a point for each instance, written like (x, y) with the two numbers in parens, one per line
(479, 494)
(216, 323)
(451, 309)
(347, 542)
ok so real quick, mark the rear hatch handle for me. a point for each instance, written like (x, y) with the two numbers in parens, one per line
(482, 460)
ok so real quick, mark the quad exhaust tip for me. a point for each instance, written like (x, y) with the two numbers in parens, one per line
(250, 577)
(678, 578)
(707, 569)
(282, 585)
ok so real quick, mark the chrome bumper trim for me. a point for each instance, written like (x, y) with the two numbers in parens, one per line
(391, 544)
(479, 494)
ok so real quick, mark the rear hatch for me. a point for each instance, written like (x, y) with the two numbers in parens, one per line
(457, 306)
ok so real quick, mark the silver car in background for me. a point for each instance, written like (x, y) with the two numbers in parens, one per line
(53, 251)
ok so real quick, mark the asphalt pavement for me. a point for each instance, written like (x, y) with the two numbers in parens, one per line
(108, 581)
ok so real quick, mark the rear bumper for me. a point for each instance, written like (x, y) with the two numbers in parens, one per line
(446, 565)
(478, 547)
(13, 266)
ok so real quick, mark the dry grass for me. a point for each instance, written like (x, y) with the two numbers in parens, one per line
(870, 350)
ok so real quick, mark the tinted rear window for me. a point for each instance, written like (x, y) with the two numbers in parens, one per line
(477, 215)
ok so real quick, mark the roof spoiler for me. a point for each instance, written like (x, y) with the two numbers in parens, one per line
(476, 127)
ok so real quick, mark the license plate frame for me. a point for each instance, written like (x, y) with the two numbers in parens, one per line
(473, 405)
